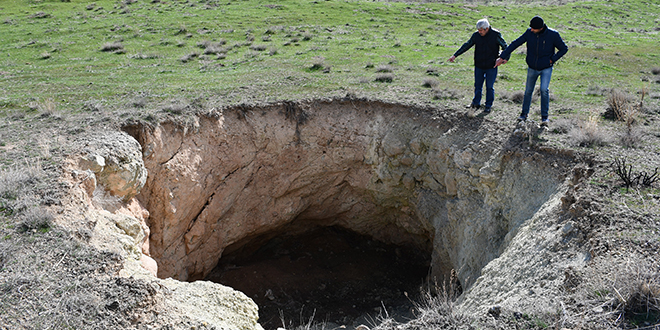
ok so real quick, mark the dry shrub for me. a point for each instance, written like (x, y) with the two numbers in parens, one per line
(259, 48)
(384, 77)
(434, 310)
(318, 63)
(384, 68)
(517, 97)
(563, 125)
(430, 83)
(631, 137)
(618, 104)
(596, 90)
(433, 71)
(655, 70)
(588, 133)
(189, 57)
(35, 218)
(112, 47)
(15, 184)
(441, 94)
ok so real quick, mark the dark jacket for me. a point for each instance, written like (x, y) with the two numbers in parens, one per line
(540, 48)
(486, 50)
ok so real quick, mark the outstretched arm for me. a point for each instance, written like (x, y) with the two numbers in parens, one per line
(506, 54)
(462, 50)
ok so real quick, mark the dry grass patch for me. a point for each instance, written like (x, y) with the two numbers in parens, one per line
(614, 294)
(588, 133)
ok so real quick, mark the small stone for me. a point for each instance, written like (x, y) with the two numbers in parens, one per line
(495, 311)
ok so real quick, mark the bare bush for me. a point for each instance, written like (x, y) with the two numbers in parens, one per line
(629, 177)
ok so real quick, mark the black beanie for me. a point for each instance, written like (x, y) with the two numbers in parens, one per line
(536, 23)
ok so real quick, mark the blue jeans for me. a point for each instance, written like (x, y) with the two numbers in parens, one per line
(489, 76)
(532, 75)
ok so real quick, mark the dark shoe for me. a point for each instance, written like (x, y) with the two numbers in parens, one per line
(521, 119)
(473, 106)
(487, 110)
(545, 123)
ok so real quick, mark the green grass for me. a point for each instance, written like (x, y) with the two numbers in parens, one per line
(52, 50)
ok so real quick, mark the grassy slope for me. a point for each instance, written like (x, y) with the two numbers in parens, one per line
(57, 58)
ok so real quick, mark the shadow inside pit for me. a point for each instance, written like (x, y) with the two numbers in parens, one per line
(328, 275)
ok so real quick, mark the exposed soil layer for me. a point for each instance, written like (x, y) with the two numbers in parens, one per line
(327, 273)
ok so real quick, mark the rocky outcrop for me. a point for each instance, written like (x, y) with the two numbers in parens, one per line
(451, 187)
(105, 178)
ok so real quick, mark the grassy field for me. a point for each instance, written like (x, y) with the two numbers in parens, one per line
(72, 56)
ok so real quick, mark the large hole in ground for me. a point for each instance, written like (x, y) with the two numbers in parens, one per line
(324, 274)
(287, 188)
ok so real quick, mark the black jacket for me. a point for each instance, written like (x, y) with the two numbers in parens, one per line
(540, 48)
(486, 50)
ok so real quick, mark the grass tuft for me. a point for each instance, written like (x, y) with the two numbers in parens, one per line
(112, 47)
(384, 77)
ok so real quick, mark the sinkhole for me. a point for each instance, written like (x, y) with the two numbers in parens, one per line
(336, 208)
(326, 275)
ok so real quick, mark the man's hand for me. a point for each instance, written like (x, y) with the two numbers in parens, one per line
(500, 61)
(452, 58)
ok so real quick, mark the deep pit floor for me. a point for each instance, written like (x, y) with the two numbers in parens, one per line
(330, 274)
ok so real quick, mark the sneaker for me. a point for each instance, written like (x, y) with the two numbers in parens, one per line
(545, 123)
(521, 119)
(473, 106)
(487, 109)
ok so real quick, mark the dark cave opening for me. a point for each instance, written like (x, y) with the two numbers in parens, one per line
(328, 275)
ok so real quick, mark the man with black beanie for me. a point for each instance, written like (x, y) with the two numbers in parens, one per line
(541, 44)
(487, 42)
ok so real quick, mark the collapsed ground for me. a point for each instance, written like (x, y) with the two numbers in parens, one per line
(621, 226)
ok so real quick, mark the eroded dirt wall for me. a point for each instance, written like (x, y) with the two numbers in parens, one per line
(455, 186)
